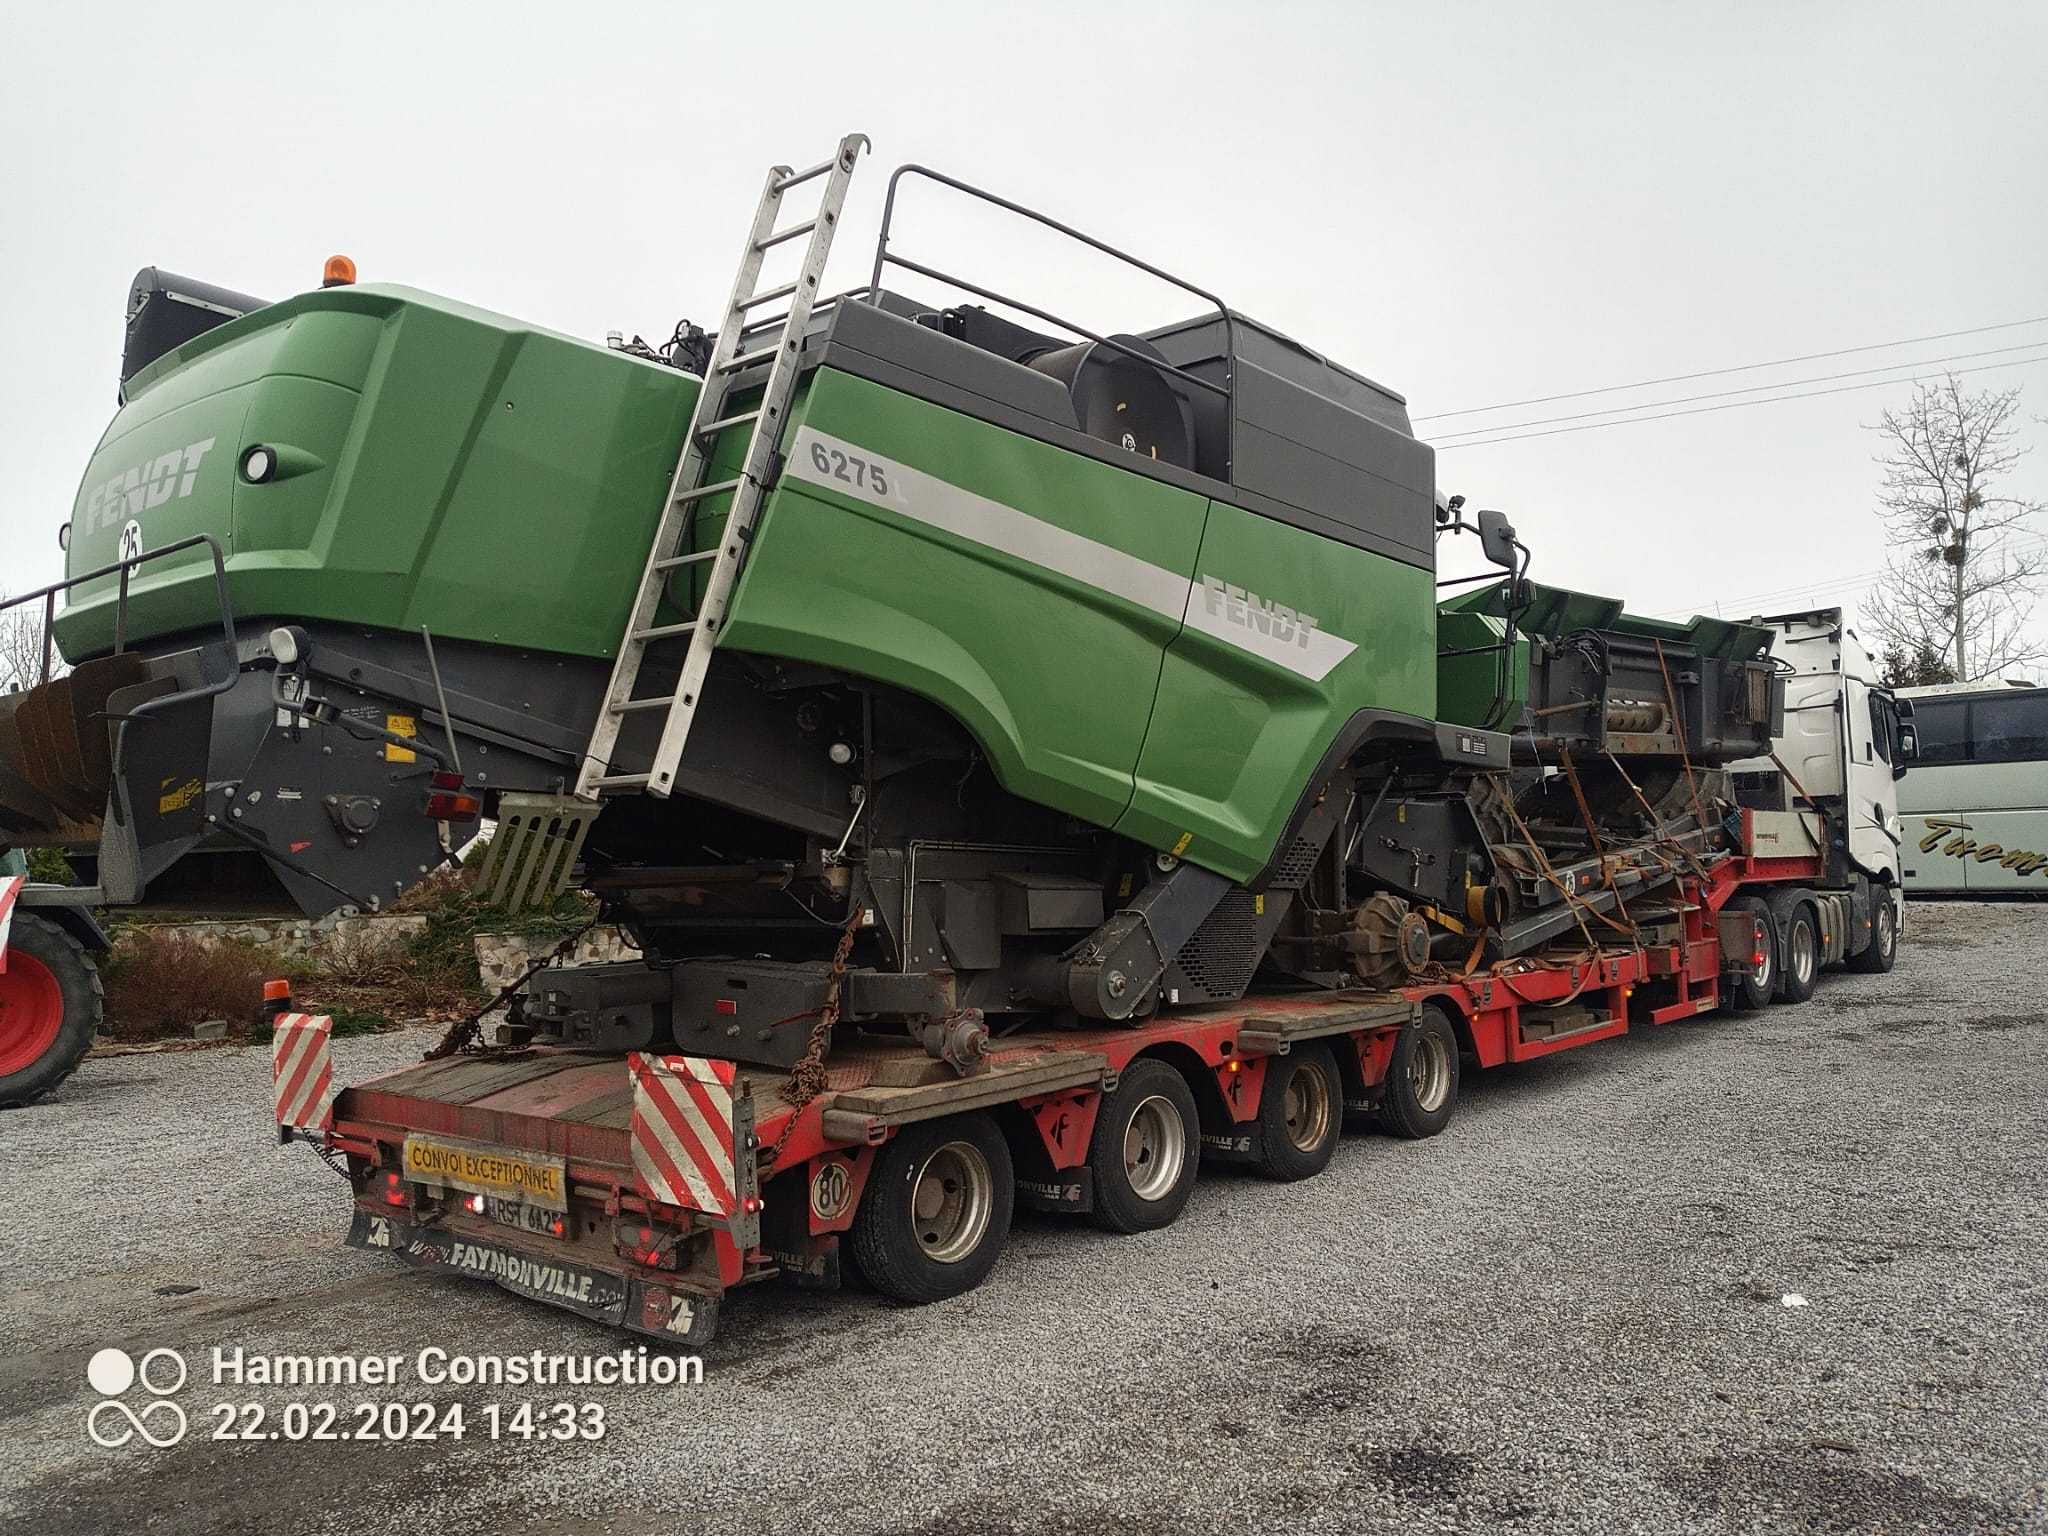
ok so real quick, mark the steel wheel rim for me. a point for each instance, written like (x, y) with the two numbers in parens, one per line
(1155, 1148)
(31, 1012)
(950, 1202)
(1887, 929)
(1306, 1109)
(1429, 1073)
(1762, 969)
(1802, 952)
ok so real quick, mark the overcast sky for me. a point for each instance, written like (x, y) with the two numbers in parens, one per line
(1471, 203)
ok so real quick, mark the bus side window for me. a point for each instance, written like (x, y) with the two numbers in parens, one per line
(2009, 730)
(1943, 731)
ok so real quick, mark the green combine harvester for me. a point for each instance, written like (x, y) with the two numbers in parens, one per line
(873, 648)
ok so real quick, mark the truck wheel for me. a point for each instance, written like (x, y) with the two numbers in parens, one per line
(1752, 986)
(1800, 973)
(1146, 1146)
(1422, 1078)
(50, 1008)
(1301, 1114)
(1877, 957)
(937, 1209)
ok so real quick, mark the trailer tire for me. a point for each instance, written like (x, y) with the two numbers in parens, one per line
(1421, 1088)
(1752, 986)
(1145, 1149)
(1301, 1114)
(937, 1209)
(50, 1009)
(1799, 973)
(1882, 952)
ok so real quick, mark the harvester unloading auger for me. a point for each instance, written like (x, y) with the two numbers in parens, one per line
(1065, 672)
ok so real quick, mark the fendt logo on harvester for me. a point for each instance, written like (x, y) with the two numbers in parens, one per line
(130, 492)
(1253, 612)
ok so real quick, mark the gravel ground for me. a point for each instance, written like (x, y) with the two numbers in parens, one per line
(1565, 1314)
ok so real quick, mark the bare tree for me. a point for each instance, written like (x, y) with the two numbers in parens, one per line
(21, 648)
(1962, 578)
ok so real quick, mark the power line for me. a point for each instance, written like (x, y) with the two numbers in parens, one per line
(1832, 583)
(1713, 373)
(1747, 389)
(1736, 405)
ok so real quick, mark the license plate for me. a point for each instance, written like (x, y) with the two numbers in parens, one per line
(527, 1218)
(500, 1173)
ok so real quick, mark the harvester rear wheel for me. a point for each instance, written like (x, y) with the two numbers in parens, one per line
(1301, 1114)
(50, 1007)
(937, 1209)
(1145, 1149)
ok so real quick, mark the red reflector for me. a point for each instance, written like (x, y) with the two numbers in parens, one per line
(453, 807)
(725, 1005)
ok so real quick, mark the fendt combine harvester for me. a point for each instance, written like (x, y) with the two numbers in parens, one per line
(1028, 760)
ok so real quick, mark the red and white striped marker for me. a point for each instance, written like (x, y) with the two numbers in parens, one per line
(682, 1131)
(302, 1071)
(10, 890)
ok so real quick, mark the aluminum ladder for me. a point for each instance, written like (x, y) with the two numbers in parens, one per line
(777, 342)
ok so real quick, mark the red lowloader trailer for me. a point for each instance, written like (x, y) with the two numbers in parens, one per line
(640, 1190)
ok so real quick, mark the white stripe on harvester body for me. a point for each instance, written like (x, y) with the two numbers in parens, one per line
(992, 524)
(832, 462)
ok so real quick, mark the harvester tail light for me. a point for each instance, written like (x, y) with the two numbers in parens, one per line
(448, 800)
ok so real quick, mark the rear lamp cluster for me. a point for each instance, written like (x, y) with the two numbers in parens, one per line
(448, 800)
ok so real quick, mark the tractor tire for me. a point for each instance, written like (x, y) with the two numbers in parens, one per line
(1799, 973)
(1421, 1088)
(1301, 1114)
(50, 1009)
(937, 1208)
(1146, 1147)
(1751, 987)
(1882, 952)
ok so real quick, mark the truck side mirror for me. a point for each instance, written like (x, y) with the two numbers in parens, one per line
(1909, 748)
(1497, 538)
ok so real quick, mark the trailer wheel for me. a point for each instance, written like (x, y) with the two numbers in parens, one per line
(1754, 985)
(1800, 973)
(50, 1008)
(1421, 1088)
(1301, 1114)
(1877, 957)
(1145, 1149)
(937, 1209)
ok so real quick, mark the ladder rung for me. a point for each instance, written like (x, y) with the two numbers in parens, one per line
(663, 631)
(621, 781)
(798, 178)
(632, 705)
(723, 422)
(785, 234)
(748, 359)
(708, 490)
(769, 297)
(678, 560)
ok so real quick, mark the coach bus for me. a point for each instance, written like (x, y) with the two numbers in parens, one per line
(1975, 806)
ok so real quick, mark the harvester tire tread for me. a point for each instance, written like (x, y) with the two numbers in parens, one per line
(84, 994)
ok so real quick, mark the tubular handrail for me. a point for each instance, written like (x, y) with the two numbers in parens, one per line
(884, 257)
(124, 568)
